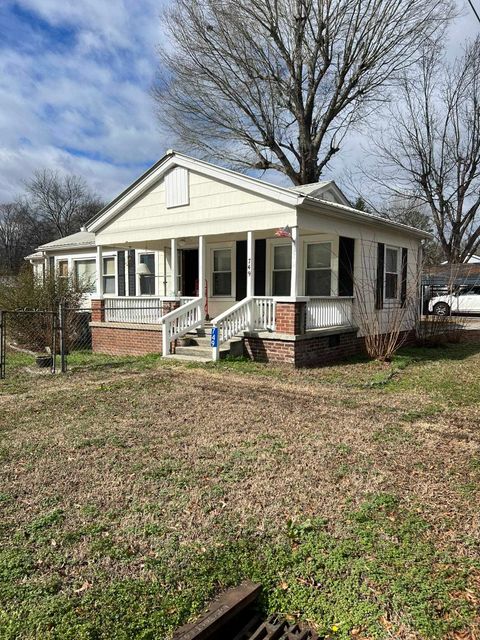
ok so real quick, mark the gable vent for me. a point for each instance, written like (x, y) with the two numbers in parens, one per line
(176, 187)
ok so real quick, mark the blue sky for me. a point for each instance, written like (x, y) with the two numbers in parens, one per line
(74, 90)
(75, 77)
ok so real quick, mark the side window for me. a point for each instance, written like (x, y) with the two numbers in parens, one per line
(391, 273)
(62, 268)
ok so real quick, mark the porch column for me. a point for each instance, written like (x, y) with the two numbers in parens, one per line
(295, 264)
(99, 270)
(250, 264)
(201, 266)
(174, 266)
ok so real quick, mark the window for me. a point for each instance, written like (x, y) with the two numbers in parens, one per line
(222, 272)
(282, 270)
(86, 274)
(147, 282)
(109, 275)
(62, 267)
(391, 273)
(318, 271)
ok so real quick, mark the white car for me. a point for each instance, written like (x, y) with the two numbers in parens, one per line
(464, 301)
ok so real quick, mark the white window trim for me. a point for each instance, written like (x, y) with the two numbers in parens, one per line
(233, 263)
(143, 252)
(114, 276)
(57, 267)
(323, 238)
(270, 261)
(398, 273)
(74, 271)
(307, 242)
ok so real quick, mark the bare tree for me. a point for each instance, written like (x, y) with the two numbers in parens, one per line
(276, 84)
(64, 203)
(16, 237)
(431, 154)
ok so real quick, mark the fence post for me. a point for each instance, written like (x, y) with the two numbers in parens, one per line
(61, 319)
(3, 345)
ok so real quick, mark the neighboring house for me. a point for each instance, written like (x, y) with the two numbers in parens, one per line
(472, 260)
(280, 267)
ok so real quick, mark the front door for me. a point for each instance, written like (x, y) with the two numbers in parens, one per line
(190, 272)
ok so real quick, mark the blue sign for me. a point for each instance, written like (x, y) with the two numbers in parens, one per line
(214, 337)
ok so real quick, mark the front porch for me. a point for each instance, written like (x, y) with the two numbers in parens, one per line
(254, 286)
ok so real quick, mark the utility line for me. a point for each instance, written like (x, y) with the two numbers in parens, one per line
(474, 10)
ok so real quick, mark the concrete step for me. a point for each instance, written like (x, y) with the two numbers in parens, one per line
(187, 358)
(202, 352)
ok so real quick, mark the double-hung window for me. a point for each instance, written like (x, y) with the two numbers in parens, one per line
(318, 269)
(62, 268)
(282, 270)
(392, 259)
(86, 274)
(147, 281)
(222, 272)
(109, 275)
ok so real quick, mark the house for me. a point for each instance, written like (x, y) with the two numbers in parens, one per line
(191, 246)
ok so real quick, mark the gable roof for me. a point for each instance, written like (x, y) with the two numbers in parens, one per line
(174, 159)
(293, 196)
(81, 239)
(319, 189)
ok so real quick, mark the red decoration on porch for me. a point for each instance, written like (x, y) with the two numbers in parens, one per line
(283, 232)
(206, 300)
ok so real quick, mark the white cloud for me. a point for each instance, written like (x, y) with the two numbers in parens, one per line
(84, 105)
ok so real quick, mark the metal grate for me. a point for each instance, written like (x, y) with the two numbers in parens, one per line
(233, 616)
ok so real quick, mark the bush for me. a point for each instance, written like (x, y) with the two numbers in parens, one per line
(27, 292)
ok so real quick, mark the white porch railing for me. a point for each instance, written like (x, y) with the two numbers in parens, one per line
(250, 314)
(326, 311)
(138, 309)
(180, 321)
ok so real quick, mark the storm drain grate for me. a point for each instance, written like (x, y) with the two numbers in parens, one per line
(232, 616)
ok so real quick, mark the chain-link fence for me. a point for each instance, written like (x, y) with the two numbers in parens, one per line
(41, 341)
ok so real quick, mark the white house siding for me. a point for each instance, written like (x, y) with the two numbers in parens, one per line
(367, 235)
(215, 207)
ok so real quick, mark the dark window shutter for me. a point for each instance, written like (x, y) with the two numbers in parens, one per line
(346, 253)
(403, 290)
(380, 276)
(260, 260)
(121, 273)
(132, 275)
(51, 265)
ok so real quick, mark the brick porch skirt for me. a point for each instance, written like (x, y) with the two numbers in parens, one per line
(308, 350)
(126, 340)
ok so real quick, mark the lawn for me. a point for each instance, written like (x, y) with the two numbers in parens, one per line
(133, 489)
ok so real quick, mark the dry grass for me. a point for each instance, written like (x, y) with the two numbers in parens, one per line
(127, 462)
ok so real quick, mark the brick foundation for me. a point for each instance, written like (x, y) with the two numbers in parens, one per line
(307, 352)
(313, 351)
(121, 340)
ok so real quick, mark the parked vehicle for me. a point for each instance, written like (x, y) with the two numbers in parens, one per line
(464, 301)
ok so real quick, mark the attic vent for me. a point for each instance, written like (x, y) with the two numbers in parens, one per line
(176, 188)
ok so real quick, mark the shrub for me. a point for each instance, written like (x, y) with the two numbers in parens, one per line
(27, 292)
